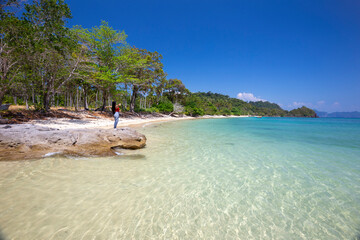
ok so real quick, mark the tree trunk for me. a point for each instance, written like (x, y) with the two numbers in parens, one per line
(46, 99)
(52, 100)
(15, 100)
(124, 104)
(104, 102)
(26, 102)
(33, 96)
(2, 95)
(133, 98)
(65, 100)
(77, 99)
(80, 99)
(86, 106)
(96, 99)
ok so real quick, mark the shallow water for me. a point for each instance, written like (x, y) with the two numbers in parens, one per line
(246, 178)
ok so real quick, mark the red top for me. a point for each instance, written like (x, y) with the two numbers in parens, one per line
(117, 109)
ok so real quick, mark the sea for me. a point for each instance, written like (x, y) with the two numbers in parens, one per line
(228, 178)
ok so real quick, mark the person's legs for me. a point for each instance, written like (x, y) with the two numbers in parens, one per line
(116, 116)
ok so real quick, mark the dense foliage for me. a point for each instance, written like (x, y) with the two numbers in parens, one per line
(217, 104)
(303, 112)
(44, 63)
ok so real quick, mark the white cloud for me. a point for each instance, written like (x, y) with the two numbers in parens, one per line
(249, 97)
(298, 104)
(320, 105)
(294, 105)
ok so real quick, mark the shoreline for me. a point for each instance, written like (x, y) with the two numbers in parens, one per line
(82, 135)
(174, 119)
(104, 123)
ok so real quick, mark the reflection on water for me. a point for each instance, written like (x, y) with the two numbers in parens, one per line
(209, 179)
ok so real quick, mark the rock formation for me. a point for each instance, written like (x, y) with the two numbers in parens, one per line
(26, 141)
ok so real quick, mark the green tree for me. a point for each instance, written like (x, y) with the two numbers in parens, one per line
(52, 46)
(13, 49)
(7, 5)
(142, 71)
(175, 89)
(104, 45)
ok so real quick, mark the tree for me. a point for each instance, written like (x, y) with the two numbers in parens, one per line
(52, 46)
(13, 46)
(142, 71)
(104, 45)
(174, 88)
(7, 5)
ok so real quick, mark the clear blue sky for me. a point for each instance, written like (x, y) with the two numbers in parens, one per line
(291, 52)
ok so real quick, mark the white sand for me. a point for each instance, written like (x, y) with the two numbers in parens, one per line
(86, 123)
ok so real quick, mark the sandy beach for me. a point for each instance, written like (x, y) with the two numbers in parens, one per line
(89, 122)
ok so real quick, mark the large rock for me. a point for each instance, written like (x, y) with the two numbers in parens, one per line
(28, 141)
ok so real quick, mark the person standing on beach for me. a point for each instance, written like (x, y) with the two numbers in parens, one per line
(117, 115)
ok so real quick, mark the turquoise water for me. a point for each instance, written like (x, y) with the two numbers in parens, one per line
(235, 178)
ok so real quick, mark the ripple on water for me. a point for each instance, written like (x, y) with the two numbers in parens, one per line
(209, 179)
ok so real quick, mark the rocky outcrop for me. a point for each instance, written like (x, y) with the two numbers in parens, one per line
(26, 141)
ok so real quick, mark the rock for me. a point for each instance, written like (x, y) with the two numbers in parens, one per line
(4, 107)
(25, 141)
(4, 121)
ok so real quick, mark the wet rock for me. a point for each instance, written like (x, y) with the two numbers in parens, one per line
(29, 142)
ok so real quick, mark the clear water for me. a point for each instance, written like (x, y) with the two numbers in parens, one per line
(246, 178)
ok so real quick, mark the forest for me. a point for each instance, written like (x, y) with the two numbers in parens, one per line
(46, 64)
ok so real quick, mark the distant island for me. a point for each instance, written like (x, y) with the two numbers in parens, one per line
(354, 114)
(198, 104)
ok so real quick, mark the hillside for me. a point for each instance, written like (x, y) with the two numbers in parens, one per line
(209, 103)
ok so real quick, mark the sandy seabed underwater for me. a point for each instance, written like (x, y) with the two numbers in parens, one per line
(237, 178)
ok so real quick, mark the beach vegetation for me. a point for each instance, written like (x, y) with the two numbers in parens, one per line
(165, 106)
(152, 110)
(194, 111)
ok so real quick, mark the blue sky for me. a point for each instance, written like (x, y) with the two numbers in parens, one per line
(291, 52)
